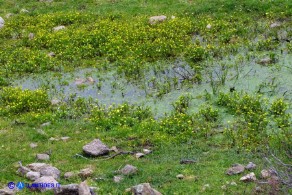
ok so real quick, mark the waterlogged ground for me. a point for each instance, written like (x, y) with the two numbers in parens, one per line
(241, 72)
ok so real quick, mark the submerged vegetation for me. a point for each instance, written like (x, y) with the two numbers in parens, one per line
(211, 82)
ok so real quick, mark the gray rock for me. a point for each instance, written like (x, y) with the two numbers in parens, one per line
(79, 81)
(250, 166)
(36, 166)
(24, 11)
(265, 61)
(33, 145)
(31, 36)
(128, 170)
(144, 189)
(22, 170)
(2, 22)
(53, 139)
(90, 80)
(46, 1)
(85, 173)
(157, 19)
(275, 24)
(235, 169)
(50, 171)
(7, 191)
(96, 148)
(118, 178)
(55, 102)
(209, 26)
(45, 124)
(180, 176)
(43, 157)
(83, 189)
(8, 15)
(45, 179)
(282, 35)
(115, 149)
(66, 138)
(40, 131)
(139, 155)
(32, 175)
(57, 28)
(146, 151)
(70, 189)
(69, 175)
(266, 174)
(51, 54)
(249, 177)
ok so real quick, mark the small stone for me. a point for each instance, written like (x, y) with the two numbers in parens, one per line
(2, 22)
(249, 177)
(65, 138)
(33, 145)
(275, 24)
(57, 28)
(66, 189)
(24, 11)
(172, 17)
(55, 102)
(52, 139)
(144, 189)
(187, 161)
(139, 155)
(224, 187)
(85, 173)
(43, 157)
(250, 166)
(8, 15)
(115, 149)
(265, 174)
(191, 178)
(258, 189)
(233, 183)
(40, 131)
(31, 36)
(90, 80)
(45, 124)
(209, 26)
(146, 151)
(128, 170)
(205, 187)
(51, 54)
(265, 61)
(32, 175)
(69, 175)
(235, 169)
(79, 81)
(83, 189)
(46, 179)
(180, 176)
(95, 148)
(282, 35)
(157, 19)
(118, 179)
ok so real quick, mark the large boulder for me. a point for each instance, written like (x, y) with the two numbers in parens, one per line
(96, 148)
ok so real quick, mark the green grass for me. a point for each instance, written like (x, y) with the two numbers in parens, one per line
(115, 37)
